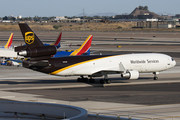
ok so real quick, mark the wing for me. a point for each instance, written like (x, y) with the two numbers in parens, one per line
(110, 70)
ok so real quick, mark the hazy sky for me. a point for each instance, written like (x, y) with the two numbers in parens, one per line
(74, 7)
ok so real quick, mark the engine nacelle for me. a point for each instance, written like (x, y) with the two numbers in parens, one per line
(38, 51)
(134, 74)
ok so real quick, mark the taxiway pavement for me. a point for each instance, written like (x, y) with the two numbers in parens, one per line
(143, 98)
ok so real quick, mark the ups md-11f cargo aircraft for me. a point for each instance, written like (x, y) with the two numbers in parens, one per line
(128, 65)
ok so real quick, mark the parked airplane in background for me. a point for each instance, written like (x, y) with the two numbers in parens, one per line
(128, 65)
(83, 50)
(9, 42)
(7, 50)
(57, 42)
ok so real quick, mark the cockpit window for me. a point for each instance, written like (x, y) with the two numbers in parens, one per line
(172, 59)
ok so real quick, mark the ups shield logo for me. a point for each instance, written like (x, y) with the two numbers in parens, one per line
(29, 38)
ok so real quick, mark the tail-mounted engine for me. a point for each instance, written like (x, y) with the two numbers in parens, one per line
(38, 51)
(133, 74)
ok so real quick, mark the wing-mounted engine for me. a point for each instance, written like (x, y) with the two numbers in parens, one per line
(128, 74)
(38, 51)
(132, 74)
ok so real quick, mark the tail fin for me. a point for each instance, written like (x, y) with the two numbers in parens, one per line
(9, 42)
(34, 48)
(85, 47)
(57, 43)
(30, 38)
(70, 44)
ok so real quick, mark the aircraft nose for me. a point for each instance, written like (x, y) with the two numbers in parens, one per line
(173, 62)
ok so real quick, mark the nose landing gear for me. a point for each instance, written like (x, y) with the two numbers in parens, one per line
(155, 75)
(105, 80)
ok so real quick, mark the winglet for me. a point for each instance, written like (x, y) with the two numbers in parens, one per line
(57, 43)
(85, 47)
(9, 42)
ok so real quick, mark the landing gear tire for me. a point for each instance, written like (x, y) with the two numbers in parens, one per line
(79, 80)
(108, 81)
(85, 80)
(82, 80)
(105, 81)
(91, 80)
(102, 81)
(155, 78)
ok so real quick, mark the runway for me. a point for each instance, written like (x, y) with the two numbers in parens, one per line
(143, 98)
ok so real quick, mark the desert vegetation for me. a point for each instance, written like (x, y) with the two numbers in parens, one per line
(100, 26)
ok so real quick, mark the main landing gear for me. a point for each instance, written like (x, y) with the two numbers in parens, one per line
(82, 79)
(105, 80)
(91, 80)
(155, 75)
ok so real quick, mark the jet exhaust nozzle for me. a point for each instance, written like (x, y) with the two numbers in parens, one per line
(38, 51)
(22, 53)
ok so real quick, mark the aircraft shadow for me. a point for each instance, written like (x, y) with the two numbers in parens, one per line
(42, 81)
(34, 81)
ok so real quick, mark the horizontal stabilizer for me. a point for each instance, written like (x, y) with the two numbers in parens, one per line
(40, 64)
(35, 65)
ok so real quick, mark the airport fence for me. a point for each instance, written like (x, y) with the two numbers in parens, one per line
(106, 116)
(168, 118)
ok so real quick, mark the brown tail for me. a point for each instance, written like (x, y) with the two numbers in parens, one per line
(30, 38)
